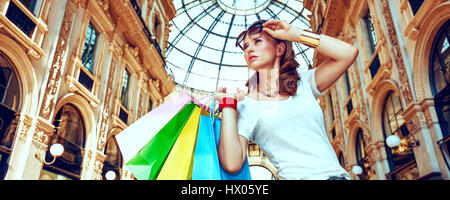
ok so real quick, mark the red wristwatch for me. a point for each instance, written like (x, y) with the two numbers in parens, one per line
(228, 102)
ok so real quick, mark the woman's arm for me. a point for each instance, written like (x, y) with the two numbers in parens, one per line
(341, 54)
(232, 149)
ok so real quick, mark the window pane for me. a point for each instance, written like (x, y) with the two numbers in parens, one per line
(438, 75)
(113, 155)
(9, 85)
(386, 126)
(30, 5)
(371, 31)
(347, 84)
(71, 126)
(150, 104)
(415, 5)
(89, 47)
(12, 97)
(124, 95)
(85, 80)
(360, 146)
(5, 74)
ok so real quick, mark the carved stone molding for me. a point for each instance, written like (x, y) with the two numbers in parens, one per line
(54, 77)
(414, 117)
(396, 50)
(43, 131)
(24, 125)
(105, 117)
(81, 3)
(98, 165)
(429, 111)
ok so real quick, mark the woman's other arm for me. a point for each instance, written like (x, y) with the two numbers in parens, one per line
(341, 54)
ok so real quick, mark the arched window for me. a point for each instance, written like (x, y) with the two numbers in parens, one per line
(401, 159)
(70, 132)
(440, 77)
(10, 91)
(361, 155)
(113, 160)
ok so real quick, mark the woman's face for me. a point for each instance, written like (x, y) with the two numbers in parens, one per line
(259, 51)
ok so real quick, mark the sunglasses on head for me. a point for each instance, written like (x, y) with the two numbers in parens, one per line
(255, 28)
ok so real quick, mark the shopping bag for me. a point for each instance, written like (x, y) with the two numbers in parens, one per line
(147, 163)
(206, 161)
(179, 163)
(243, 173)
(134, 137)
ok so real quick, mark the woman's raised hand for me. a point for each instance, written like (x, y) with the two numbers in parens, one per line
(282, 30)
(222, 92)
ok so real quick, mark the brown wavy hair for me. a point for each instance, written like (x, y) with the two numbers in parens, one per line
(288, 76)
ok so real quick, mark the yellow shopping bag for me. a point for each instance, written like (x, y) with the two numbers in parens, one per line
(178, 165)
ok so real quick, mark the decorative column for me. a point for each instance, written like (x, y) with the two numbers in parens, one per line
(116, 50)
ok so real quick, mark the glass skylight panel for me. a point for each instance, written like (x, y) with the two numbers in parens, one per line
(205, 22)
(264, 15)
(251, 19)
(215, 12)
(210, 55)
(196, 33)
(221, 29)
(173, 33)
(286, 16)
(179, 59)
(214, 41)
(275, 9)
(205, 69)
(186, 42)
(178, 73)
(201, 82)
(234, 59)
(195, 11)
(234, 73)
(294, 4)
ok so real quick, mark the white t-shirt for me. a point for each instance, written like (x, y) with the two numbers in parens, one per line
(292, 133)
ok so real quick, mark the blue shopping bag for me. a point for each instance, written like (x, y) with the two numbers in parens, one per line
(243, 174)
(206, 161)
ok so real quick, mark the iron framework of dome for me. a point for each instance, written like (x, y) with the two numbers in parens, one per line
(201, 53)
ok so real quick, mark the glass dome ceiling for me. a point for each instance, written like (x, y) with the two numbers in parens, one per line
(201, 52)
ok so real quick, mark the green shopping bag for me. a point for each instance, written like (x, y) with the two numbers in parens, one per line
(147, 163)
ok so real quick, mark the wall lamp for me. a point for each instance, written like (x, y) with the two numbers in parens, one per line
(112, 175)
(393, 141)
(56, 150)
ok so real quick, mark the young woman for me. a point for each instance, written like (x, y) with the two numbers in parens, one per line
(280, 112)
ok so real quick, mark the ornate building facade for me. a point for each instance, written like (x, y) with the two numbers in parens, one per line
(397, 86)
(77, 72)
